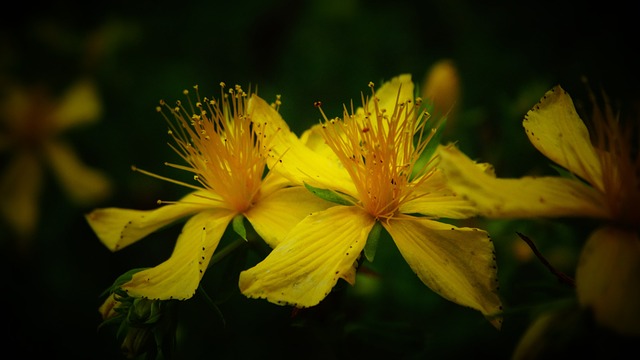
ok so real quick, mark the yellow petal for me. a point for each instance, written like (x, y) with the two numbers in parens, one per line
(398, 90)
(556, 130)
(307, 264)
(302, 165)
(20, 187)
(179, 276)
(607, 279)
(457, 263)
(524, 197)
(266, 116)
(118, 228)
(85, 185)
(434, 199)
(273, 216)
(292, 159)
(314, 140)
(79, 105)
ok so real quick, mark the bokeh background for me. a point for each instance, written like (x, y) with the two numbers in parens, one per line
(507, 55)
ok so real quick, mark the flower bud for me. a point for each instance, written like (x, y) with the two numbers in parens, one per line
(607, 279)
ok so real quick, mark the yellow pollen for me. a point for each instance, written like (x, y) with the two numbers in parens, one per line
(220, 146)
(378, 147)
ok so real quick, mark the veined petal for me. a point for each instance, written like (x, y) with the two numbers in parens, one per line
(525, 197)
(556, 130)
(118, 228)
(84, 184)
(20, 187)
(301, 165)
(291, 158)
(79, 105)
(275, 215)
(306, 265)
(273, 182)
(434, 199)
(457, 263)
(179, 276)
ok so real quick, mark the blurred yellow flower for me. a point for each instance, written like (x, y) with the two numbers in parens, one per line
(603, 183)
(224, 145)
(368, 162)
(32, 124)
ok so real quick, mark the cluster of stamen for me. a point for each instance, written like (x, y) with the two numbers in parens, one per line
(223, 149)
(620, 160)
(380, 148)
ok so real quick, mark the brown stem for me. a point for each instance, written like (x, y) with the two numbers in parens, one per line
(563, 278)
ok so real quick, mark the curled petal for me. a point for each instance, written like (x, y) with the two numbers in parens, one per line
(457, 263)
(179, 276)
(118, 228)
(307, 264)
(556, 130)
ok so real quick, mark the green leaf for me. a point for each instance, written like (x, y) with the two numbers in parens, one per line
(564, 172)
(329, 195)
(238, 226)
(372, 241)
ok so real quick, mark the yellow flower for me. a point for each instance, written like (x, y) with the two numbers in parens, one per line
(604, 184)
(368, 162)
(224, 146)
(33, 123)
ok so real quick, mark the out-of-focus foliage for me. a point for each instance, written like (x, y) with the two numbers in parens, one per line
(507, 55)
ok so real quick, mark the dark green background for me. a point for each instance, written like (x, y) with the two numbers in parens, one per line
(507, 53)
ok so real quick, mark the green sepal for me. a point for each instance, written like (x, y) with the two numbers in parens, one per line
(372, 241)
(238, 226)
(564, 172)
(122, 279)
(329, 195)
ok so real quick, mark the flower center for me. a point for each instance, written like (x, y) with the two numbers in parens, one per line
(224, 150)
(620, 160)
(376, 146)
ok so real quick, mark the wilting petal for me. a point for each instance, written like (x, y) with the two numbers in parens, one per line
(457, 263)
(275, 215)
(118, 228)
(79, 105)
(524, 197)
(434, 199)
(307, 264)
(84, 184)
(20, 187)
(556, 130)
(179, 276)
(607, 279)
